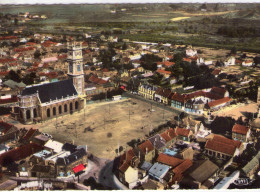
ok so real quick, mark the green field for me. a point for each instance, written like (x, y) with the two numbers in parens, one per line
(158, 22)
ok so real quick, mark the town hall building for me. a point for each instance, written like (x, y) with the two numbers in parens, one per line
(45, 101)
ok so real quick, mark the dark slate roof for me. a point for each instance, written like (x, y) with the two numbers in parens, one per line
(51, 91)
(41, 168)
(72, 157)
(69, 147)
(157, 141)
(202, 170)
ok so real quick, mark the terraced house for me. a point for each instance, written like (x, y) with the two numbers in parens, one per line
(163, 95)
(200, 101)
(147, 91)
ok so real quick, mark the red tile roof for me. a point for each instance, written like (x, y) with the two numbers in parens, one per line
(164, 92)
(45, 65)
(168, 135)
(219, 102)
(146, 145)
(29, 134)
(14, 99)
(222, 144)
(87, 51)
(238, 61)
(166, 63)
(33, 69)
(179, 170)
(178, 97)
(169, 160)
(241, 129)
(194, 58)
(187, 59)
(6, 126)
(8, 37)
(218, 90)
(163, 71)
(48, 43)
(64, 56)
(31, 43)
(4, 73)
(95, 79)
(7, 60)
(216, 72)
(126, 160)
(182, 131)
(183, 166)
(105, 70)
(226, 140)
(24, 49)
(216, 93)
(20, 152)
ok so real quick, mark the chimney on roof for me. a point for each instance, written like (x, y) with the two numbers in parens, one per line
(146, 150)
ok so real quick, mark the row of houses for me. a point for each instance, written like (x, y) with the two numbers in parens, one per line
(37, 155)
(194, 103)
(169, 159)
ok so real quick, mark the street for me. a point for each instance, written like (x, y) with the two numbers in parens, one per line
(108, 179)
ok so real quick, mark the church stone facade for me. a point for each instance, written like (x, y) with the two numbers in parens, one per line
(46, 101)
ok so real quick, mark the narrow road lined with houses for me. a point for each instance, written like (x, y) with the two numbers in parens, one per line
(108, 179)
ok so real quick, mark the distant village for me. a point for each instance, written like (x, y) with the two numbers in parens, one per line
(44, 76)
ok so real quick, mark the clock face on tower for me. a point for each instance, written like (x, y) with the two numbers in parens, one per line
(77, 53)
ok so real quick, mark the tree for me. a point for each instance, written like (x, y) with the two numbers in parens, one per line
(156, 79)
(222, 125)
(14, 76)
(15, 21)
(219, 64)
(128, 66)
(233, 50)
(29, 78)
(37, 54)
(124, 46)
(176, 70)
(148, 61)
(178, 57)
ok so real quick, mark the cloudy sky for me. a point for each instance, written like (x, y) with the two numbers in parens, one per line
(120, 1)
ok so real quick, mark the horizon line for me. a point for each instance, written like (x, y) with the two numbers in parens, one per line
(90, 2)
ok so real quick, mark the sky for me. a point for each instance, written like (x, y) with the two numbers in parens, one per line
(121, 1)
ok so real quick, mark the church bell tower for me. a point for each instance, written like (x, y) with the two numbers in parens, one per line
(75, 68)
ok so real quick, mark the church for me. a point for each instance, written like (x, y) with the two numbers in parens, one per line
(46, 101)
